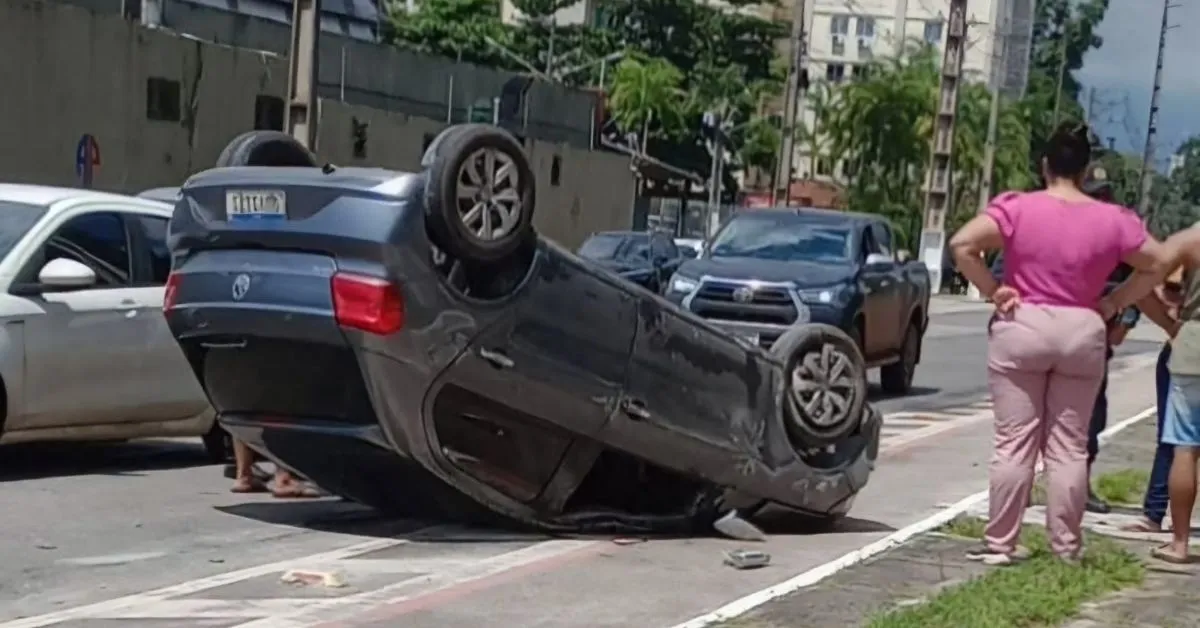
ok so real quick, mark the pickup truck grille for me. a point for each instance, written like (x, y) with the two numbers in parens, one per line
(767, 304)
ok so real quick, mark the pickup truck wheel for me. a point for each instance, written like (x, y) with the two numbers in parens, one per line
(265, 148)
(825, 385)
(479, 197)
(897, 378)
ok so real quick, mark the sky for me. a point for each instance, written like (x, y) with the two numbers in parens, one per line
(1122, 73)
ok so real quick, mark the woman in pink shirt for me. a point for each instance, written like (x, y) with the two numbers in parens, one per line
(1047, 339)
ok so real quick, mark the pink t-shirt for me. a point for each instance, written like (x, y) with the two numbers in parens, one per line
(1059, 252)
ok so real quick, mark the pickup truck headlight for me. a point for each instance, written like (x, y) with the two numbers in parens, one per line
(821, 295)
(680, 283)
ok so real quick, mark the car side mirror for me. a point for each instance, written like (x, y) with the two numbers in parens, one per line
(878, 259)
(66, 274)
(659, 261)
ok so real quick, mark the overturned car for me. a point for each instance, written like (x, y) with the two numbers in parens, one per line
(407, 341)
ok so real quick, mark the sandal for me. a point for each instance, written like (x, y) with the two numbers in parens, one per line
(296, 491)
(248, 486)
(1165, 554)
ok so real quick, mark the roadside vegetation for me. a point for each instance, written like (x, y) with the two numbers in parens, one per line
(1040, 591)
(1124, 487)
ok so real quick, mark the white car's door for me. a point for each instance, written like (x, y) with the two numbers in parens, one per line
(84, 346)
(174, 391)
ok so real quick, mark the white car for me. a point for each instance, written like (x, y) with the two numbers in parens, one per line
(85, 352)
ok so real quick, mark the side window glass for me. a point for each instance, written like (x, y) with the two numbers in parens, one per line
(155, 230)
(98, 241)
(868, 244)
(883, 238)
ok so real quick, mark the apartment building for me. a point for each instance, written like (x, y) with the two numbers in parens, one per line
(845, 36)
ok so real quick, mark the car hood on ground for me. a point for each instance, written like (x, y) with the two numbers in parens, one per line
(803, 274)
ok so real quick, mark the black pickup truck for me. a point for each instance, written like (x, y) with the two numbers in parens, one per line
(769, 269)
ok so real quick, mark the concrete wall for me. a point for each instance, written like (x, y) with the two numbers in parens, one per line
(385, 77)
(71, 72)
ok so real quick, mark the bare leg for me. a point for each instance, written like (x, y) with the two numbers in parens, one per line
(1182, 489)
(243, 460)
(288, 487)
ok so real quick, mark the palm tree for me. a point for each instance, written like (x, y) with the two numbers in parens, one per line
(646, 94)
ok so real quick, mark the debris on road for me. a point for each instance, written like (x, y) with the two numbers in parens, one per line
(734, 526)
(330, 579)
(747, 559)
(625, 540)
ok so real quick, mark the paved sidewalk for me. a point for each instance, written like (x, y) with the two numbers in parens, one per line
(919, 569)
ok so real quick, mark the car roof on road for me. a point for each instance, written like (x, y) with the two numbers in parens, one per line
(49, 195)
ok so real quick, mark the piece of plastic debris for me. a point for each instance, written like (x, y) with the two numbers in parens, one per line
(734, 526)
(625, 540)
(747, 559)
(46, 546)
(330, 579)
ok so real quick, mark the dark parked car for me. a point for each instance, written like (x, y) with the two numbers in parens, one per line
(645, 258)
(769, 269)
(407, 341)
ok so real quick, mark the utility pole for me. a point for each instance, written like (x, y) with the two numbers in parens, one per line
(713, 125)
(1062, 63)
(989, 149)
(939, 177)
(797, 83)
(1091, 105)
(1147, 175)
(302, 72)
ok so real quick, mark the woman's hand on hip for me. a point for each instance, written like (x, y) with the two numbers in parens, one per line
(1006, 299)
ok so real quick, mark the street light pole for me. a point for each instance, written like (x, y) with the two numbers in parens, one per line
(303, 63)
(793, 97)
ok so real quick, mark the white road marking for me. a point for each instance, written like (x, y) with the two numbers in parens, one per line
(820, 572)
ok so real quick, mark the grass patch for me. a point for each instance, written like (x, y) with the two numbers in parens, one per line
(964, 526)
(1122, 487)
(1041, 591)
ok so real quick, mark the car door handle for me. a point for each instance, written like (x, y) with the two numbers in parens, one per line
(498, 360)
(635, 409)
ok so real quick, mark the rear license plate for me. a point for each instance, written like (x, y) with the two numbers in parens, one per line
(255, 205)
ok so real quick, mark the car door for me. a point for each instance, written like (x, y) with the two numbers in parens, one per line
(893, 316)
(876, 285)
(83, 347)
(172, 390)
(695, 400)
(563, 352)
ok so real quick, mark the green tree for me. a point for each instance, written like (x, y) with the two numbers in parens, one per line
(457, 29)
(645, 97)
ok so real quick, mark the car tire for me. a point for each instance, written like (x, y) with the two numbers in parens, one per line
(478, 174)
(266, 148)
(897, 378)
(824, 390)
(218, 444)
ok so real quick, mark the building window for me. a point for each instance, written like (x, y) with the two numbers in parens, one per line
(860, 71)
(162, 99)
(848, 168)
(933, 32)
(839, 25)
(268, 113)
(835, 72)
(556, 171)
(822, 167)
(865, 27)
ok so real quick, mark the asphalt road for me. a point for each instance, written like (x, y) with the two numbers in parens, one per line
(83, 524)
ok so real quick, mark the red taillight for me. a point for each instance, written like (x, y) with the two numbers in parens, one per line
(171, 291)
(368, 303)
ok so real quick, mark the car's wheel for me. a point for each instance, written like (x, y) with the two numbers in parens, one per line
(824, 384)
(218, 444)
(479, 197)
(265, 148)
(897, 378)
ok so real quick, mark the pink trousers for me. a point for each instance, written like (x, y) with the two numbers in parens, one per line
(1045, 364)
